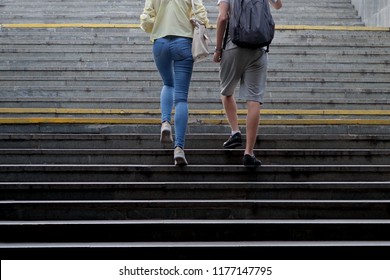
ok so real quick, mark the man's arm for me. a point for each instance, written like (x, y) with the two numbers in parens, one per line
(222, 19)
(277, 4)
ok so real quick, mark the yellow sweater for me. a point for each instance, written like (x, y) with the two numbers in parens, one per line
(171, 17)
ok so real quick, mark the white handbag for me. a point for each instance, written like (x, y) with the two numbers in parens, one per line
(200, 41)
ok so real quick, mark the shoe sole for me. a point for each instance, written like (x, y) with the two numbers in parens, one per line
(179, 161)
(252, 165)
(236, 145)
(166, 137)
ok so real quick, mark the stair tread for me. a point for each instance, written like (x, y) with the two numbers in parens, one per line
(215, 244)
(197, 222)
(190, 202)
(99, 184)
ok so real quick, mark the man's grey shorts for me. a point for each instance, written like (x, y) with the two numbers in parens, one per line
(247, 67)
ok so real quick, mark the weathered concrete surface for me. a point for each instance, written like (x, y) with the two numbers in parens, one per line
(374, 13)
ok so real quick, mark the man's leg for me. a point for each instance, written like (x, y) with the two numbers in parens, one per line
(252, 124)
(230, 106)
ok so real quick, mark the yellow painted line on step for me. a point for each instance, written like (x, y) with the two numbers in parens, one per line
(332, 28)
(297, 112)
(76, 111)
(78, 121)
(94, 111)
(320, 112)
(70, 25)
(304, 122)
(334, 112)
(157, 121)
(212, 26)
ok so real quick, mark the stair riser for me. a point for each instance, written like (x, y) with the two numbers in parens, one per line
(152, 142)
(188, 191)
(197, 157)
(194, 210)
(192, 142)
(170, 173)
(272, 82)
(193, 232)
(54, 73)
(276, 92)
(152, 129)
(194, 118)
(269, 103)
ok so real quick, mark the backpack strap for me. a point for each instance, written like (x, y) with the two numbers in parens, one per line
(225, 36)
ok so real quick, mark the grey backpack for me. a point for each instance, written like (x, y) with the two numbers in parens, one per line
(251, 24)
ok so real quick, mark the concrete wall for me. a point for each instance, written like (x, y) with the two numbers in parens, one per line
(374, 12)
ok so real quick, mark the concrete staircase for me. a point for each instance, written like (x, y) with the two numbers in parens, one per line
(82, 172)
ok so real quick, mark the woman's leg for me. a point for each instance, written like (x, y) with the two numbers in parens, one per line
(183, 66)
(164, 63)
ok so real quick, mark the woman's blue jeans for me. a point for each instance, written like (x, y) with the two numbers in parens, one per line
(173, 58)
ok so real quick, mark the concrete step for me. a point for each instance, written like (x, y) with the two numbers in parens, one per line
(82, 115)
(191, 173)
(51, 74)
(132, 39)
(286, 140)
(121, 34)
(353, 250)
(195, 156)
(199, 98)
(13, 59)
(46, 11)
(89, 83)
(290, 39)
(306, 190)
(128, 94)
(201, 80)
(132, 11)
(14, 54)
(98, 65)
(195, 230)
(195, 125)
(197, 103)
(136, 128)
(193, 209)
(142, 53)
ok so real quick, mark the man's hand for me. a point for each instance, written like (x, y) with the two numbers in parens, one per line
(217, 55)
(277, 4)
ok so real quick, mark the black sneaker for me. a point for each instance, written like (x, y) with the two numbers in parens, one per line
(251, 161)
(234, 141)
